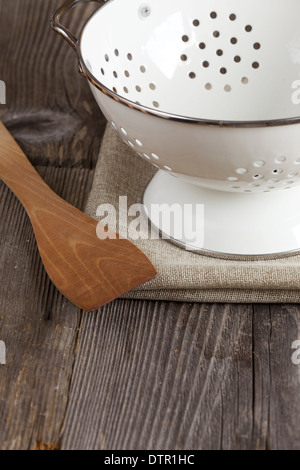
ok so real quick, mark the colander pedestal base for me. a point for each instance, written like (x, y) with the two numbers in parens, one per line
(224, 224)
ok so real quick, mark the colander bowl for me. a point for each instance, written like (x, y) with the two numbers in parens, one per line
(209, 93)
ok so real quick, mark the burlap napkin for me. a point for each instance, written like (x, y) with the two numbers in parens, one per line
(183, 275)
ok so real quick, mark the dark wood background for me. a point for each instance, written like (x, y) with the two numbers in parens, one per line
(135, 374)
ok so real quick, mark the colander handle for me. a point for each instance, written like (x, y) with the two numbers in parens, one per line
(62, 30)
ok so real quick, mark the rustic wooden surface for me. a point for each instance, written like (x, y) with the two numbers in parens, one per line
(135, 374)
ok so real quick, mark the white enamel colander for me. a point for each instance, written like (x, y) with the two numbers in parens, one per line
(209, 92)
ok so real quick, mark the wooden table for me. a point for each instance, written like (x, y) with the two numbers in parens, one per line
(135, 374)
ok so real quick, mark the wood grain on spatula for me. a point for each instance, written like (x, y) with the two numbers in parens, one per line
(90, 272)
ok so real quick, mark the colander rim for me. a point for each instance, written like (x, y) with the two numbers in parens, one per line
(171, 116)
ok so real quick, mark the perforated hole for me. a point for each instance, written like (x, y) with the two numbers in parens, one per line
(208, 86)
(115, 74)
(138, 142)
(123, 131)
(138, 89)
(183, 57)
(259, 163)
(232, 178)
(116, 52)
(130, 144)
(114, 89)
(106, 57)
(154, 156)
(219, 52)
(156, 104)
(129, 56)
(258, 177)
(233, 40)
(192, 75)
(255, 65)
(142, 68)
(281, 159)
(196, 23)
(102, 71)
(248, 28)
(223, 71)
(167, 168)
(256, 45)
(205, 64)
(232, 17)
(245, 80)
(241, 171)
(126, 89)
(213, 15)
(126, 73)
(185, 38)
(216, 34)
(152, 86)
(277, 171)
(227, 88)
(237, 59)
(202, 45)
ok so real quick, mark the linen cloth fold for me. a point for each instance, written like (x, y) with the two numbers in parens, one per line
(184, 275)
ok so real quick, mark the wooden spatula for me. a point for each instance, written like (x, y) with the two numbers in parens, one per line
(90, 272)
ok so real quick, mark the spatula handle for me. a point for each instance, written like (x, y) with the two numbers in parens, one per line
(19, 175)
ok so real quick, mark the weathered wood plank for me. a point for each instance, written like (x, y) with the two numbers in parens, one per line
(38, 325)
(157, 375)
(50, 109)
(277, 379)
